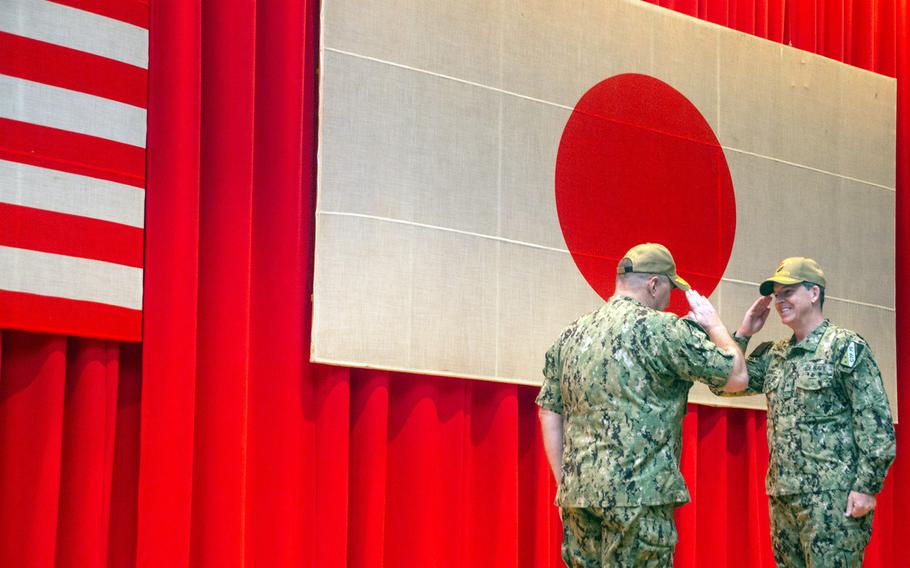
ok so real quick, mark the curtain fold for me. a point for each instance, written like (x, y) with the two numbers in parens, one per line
(171, 289)
(899, 478)
(31, 433)
(216, 443)
(89, 426)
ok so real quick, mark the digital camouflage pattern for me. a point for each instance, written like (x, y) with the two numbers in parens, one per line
(622, 536)
(620, 377)
(829, 422)
(810, 529)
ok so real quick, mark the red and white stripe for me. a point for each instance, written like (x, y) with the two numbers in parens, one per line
(73, 82)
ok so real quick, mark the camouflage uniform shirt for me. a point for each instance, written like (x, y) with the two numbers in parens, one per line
(829, 423)
(620, 377)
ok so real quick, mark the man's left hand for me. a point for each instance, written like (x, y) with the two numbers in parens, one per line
(859, 504)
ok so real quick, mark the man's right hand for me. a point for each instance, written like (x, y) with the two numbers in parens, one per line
(702, 311)
(755, 317)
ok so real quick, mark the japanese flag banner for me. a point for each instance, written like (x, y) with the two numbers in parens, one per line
(483, 166)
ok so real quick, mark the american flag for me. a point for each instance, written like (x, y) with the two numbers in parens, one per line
(73, 97)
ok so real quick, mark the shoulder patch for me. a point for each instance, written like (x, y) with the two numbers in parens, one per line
(761, 349)
(852, 354)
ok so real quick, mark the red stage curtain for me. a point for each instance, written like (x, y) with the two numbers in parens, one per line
(233, 450)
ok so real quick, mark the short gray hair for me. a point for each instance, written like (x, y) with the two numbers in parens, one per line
(638, 277)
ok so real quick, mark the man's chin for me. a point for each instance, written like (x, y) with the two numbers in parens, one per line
(788, 320)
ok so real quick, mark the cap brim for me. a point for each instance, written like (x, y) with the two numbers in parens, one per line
(767, 287)
(680, 283)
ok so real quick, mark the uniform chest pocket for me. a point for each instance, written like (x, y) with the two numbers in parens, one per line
(815, 375)
(815, 388)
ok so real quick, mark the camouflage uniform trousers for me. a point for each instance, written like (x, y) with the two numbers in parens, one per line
(810, 530)
(619, 536)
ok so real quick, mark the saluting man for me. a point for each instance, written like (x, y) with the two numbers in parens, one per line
(611, 410)
(830, 434)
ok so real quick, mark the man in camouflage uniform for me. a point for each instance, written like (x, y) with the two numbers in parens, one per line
(830, 434)
(612, 404)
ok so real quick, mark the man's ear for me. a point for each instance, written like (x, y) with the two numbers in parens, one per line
(816, 293)
(653, 282)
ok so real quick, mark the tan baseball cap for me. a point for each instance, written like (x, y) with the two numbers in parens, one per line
(651, 258)
(794, 270)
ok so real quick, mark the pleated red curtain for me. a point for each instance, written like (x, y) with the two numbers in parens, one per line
(69, 446)
(216, 442)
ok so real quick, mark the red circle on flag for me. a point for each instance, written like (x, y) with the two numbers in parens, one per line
(639, 163)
